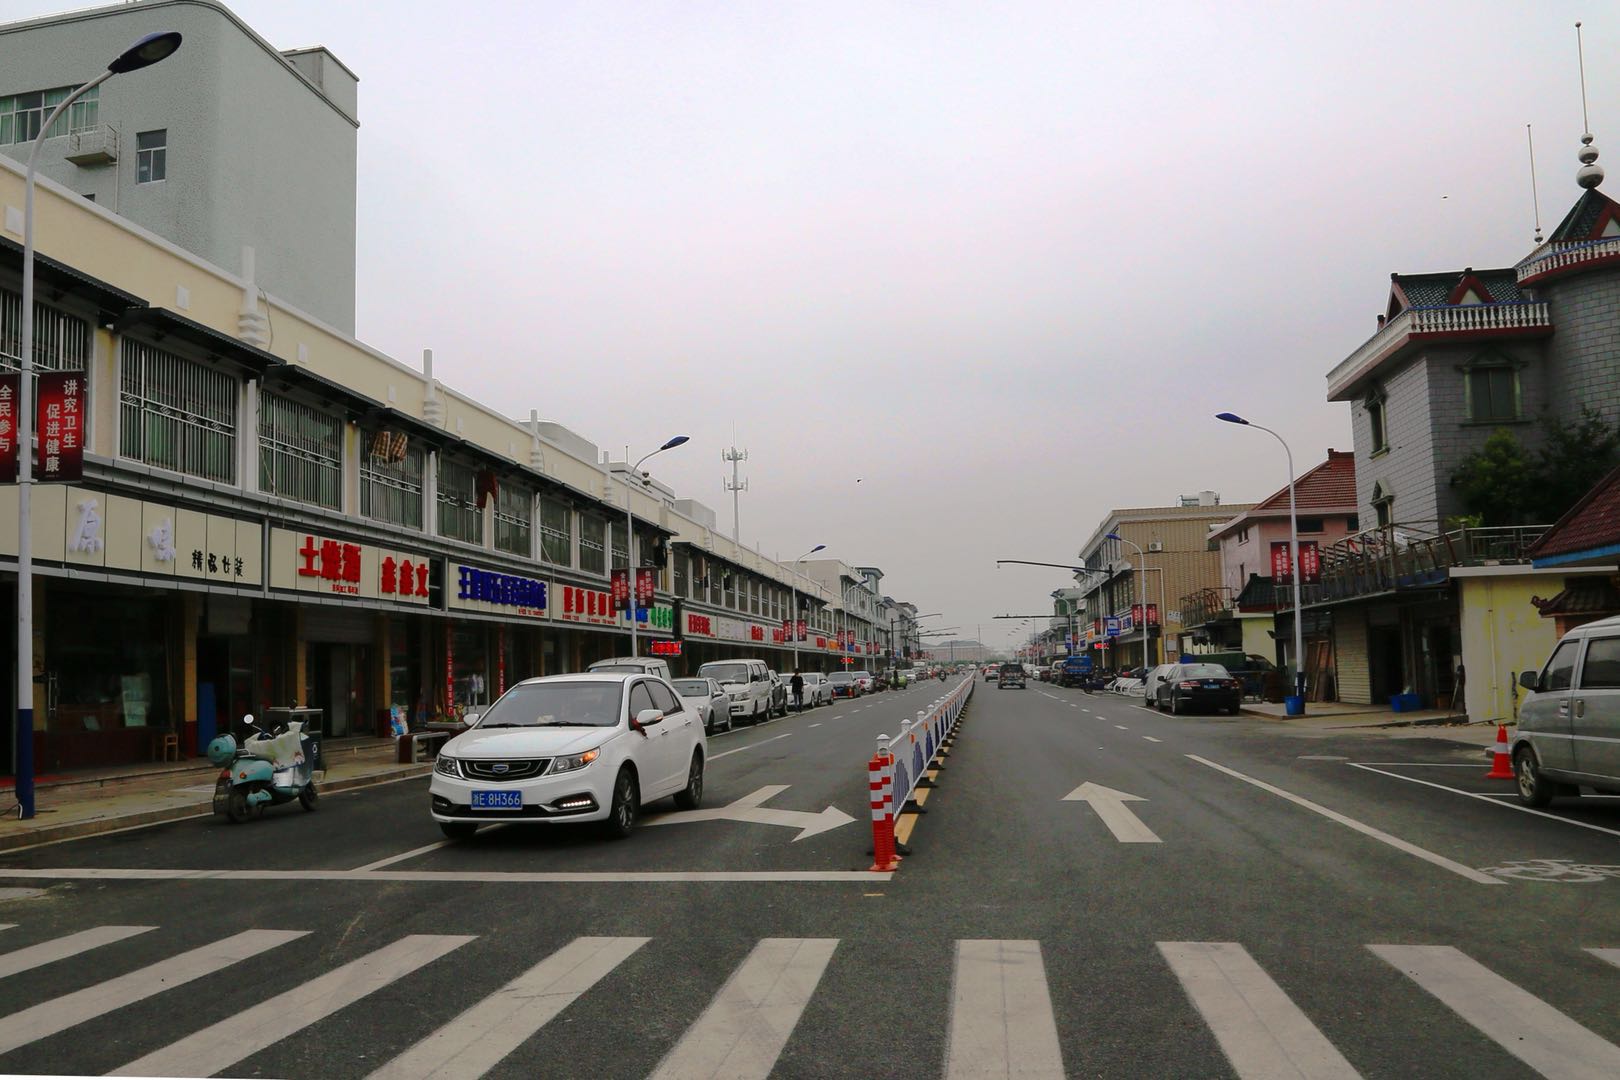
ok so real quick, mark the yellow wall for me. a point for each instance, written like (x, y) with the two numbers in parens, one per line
(1502, 635)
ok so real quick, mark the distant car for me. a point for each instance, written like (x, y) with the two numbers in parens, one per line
(817, 689)
(868, 684)
(990, 672)
(1010, 675)
(746, 682)
(1190, 686)
(710, 702)
(633, 665)
(844, 685)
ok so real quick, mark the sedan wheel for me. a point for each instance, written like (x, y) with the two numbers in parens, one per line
(626, 803)
(691, 796)
(1534, 789)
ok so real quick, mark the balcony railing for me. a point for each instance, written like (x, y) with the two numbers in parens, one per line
(1205, 606)
(1557, 254)
(1517, 315)
(1412, 555)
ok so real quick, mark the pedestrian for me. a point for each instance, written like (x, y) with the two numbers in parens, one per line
(796, 685)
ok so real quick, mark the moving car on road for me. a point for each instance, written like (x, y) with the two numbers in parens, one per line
(1011, 675)
(592, 747)
(1569, 724)
(712, 705)
(1189, 686)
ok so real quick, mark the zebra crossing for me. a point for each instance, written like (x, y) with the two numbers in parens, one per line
(1001, 1019)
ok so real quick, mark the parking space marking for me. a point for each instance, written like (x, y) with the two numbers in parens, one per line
(750, 746)
(1487, 799)
(1351, 823)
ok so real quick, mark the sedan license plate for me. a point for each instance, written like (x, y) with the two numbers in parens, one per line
(497, 800)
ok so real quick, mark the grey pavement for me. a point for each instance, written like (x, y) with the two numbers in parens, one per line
(1311, 899)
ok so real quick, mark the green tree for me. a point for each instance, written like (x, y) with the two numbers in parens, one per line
(1573, 459)
(1496, 481)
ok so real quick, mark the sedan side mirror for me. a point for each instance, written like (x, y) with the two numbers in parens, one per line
(1530, 680)
(646, 718)
(469, 719)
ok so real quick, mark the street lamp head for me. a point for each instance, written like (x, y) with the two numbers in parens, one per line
(1231, 418)
(676, 441)
(1113, 536)
(818, 547)
(146, 52)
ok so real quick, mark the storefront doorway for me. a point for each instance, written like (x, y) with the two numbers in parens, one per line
(338, 656)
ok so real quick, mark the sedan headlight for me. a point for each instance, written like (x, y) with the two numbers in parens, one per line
(573, 762)
(447, 766)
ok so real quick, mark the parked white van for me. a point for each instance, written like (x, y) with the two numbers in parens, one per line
(746, 682)
(1569, 725)
(632, 665)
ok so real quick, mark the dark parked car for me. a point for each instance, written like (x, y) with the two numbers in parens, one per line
(1010, 675)
(844, 685)
(1191, 686)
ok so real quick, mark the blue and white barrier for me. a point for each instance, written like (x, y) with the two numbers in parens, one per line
(908, 755)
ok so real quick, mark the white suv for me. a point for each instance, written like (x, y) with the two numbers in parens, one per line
(571, 748)
(634, 665)
(747, 683)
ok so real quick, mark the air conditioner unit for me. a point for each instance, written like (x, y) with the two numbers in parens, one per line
(1155, 545)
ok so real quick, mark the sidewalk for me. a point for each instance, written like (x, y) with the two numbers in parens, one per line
(1339, 717)
(101, 801)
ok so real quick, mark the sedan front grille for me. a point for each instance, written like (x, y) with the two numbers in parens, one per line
(505, 771)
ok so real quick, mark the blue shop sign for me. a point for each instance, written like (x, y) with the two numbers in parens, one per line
(505, 590)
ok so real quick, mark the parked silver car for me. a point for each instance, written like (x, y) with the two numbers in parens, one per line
(708, 700)
(1569, 725)
(817, 690)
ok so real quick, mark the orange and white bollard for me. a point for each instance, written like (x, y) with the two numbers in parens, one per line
(1501, 763)
(880, 782)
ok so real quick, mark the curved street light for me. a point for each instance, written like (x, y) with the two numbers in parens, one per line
(793, 609)
(145, 52)
(630, 532)
(1142, 555)
(1293, 554)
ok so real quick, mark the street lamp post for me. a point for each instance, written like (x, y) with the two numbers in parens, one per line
(793, 608)
(147, 51)
(630, 533)
(1142, 555)
(1293, 555)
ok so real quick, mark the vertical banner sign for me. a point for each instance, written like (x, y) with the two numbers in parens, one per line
(621, 590)
(1153, 615)
(802, 630)
(1282, 572)
(500, 660)
(646, 590)
(10, 394)
(1310, 562)
(60, 423)
(449, 668)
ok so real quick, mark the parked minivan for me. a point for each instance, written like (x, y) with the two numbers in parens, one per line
(747, 683)
(1569, 725)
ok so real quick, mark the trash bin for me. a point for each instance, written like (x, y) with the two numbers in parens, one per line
(1294, 705)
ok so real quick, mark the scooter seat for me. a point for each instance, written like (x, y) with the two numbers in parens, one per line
(281, 750)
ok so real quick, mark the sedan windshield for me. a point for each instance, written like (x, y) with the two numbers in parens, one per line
(558, 704)
(1204, 671)
(692, 687)
(726, 672)
(840, 677)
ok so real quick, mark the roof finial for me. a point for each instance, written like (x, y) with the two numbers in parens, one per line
(1535, 199)
(1590, 174)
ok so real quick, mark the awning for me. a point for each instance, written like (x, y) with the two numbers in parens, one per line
(58, 278)
(162, 323)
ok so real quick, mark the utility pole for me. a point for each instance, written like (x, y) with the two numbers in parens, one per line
(736, 485)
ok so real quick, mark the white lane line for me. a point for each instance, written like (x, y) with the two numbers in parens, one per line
(392, 859)
(1516, 1020)
(750, 746)
(480, 1038)
(219, 1046)
(63, 947)
(70, 1010)
(1122, 727)
(491, 877)
(1261, 1032)
(818, 725)
(1486, 798)
(1150, 738)
(1001, 1013)
(7, 926)
(1366, 830)
(742, 1032)
(1611, 956)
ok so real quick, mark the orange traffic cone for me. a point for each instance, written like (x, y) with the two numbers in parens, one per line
(1501, 767)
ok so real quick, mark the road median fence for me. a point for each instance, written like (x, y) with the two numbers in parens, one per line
(901, 765)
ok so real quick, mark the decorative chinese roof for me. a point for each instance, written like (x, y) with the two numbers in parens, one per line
(1589, 533)
(1589, 219)
(1328, 488)
(1466, 286)
(1581, 598)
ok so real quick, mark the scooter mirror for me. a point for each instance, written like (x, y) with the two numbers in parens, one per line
(247, 720)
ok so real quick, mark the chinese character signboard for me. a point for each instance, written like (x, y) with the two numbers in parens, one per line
(507, 594)
(1111, 626)
(646, 587)
(620, 587)
(588, 606)
(308, 562)
(60, 423)
(664, 648)
(10, 399)
(802, 630)
(698, 625)
(1282, 571)
(1310, 562)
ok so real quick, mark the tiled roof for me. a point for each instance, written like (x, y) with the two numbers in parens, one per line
(1583, 217)
(1434, 290)
(1581, 598)
(1328, 487)
(1592, 523)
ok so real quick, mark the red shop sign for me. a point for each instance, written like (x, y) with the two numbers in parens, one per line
(10, 396)
(59, 420)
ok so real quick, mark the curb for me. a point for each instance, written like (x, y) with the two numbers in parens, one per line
(94, 826)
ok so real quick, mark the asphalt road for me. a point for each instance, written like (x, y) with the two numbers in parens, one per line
(1278, 903)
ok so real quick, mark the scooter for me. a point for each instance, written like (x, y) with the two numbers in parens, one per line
(265, 771)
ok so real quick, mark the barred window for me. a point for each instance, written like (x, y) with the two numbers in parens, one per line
(683, 571)
(392, 472)
(61, 341)
(621, 554)
(300, 452)
(556, 532)
(177, 414)
(514, 517)
(592, 541)
(459, 515)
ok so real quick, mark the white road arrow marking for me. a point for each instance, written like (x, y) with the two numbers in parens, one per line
(750, 808)
(1110, 807)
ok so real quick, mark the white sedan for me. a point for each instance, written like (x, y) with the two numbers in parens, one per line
(571, 748)
(710, 701)
(817, 690)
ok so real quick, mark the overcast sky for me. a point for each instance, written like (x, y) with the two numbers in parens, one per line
(959, 252)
